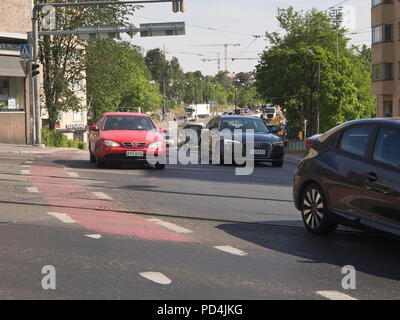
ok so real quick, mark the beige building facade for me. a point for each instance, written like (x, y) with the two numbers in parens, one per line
(386, 56)
(15, 117)
(15, 110)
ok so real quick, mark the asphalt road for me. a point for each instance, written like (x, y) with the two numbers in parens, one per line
(203, 232)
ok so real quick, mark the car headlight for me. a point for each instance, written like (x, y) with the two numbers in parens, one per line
(278, 144)
(110, 143)
(157, 144)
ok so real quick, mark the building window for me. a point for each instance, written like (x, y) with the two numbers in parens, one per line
(388, 106)
(388, 71)
(77, 115)
(77, 85)
(12, 94)
(376, 34)
(382, 33)
(382, 71)
(378, 2)
(388, 32)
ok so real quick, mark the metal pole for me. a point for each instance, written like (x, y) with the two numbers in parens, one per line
(31, 98)
(35, 58)
(319, 96)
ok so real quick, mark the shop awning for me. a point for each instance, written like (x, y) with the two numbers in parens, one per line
(10, 67)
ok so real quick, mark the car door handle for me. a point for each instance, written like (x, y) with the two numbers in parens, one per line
(372, 177)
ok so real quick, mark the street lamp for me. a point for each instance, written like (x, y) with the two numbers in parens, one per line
(310, 53)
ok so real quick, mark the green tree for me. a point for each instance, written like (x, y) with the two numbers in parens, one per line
(118, 79)
(287, 72)
(62, 56)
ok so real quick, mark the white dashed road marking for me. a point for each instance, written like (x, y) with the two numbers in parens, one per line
(24, 171)
(73, 174)
(32, 189)
(26, 166)
(62, 217)
(156, 277)
(93, 236)
(102, 196)
(29, 162)
(335, 295)
(231, 250)
(171, 226)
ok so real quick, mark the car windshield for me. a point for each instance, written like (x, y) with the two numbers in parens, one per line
(244, 124)
(128, 123)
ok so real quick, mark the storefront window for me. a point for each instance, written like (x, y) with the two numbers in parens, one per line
(12, 94)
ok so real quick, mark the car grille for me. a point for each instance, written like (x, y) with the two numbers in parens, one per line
(133, 145)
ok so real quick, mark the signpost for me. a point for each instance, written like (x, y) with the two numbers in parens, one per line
(162, 29)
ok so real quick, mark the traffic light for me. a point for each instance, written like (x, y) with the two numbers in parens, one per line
(34, 69)
(178, 5)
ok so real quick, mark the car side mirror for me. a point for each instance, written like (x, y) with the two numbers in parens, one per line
(93, 128)
(163, 130)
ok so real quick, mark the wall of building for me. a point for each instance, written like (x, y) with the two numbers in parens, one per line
(387, 52)
(16, 16)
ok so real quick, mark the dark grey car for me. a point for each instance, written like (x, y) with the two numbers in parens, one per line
(232, 129)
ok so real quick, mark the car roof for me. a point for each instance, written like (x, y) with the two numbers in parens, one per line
(387, 120)
(237, 117)
(126, 114)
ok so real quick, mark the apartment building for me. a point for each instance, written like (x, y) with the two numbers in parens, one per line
(15, 22)
(386, 56)
(15, 110)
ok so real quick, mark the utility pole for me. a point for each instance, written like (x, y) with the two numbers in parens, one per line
(336, 17)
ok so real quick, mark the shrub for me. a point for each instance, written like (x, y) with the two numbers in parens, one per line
(54, 138)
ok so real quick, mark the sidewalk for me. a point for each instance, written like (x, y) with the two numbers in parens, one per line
(27, 149)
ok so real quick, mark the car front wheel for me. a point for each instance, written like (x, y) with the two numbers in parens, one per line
(315, 212)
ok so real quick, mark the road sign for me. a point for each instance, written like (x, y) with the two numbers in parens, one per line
(25, 51)
(98, 32)
(163, 29)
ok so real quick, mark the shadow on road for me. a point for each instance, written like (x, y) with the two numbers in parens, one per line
(369, 253)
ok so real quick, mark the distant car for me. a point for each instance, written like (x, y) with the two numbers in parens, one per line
(125, 137)
(267, 147)
(225, 113)
(247, 110)
(351, 176)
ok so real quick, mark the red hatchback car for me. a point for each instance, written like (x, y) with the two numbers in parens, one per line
(126, 137)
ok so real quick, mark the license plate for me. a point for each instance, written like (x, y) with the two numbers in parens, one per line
(257, 151)
(134, 153)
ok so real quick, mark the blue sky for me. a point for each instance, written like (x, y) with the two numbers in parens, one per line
(236, 21)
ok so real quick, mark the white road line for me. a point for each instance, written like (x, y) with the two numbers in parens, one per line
(25, 172)
(231, 250)
(29, 162)
(93, 236)
(62, 217)
(73, 174)
(26, 166)
(335, 295)
(32, 189)
(156, 277)
(102, 196)
(170, 226)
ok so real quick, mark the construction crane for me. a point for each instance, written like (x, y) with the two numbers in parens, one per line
(226, 45)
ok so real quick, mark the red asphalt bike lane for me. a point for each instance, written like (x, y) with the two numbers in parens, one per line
(51, 183)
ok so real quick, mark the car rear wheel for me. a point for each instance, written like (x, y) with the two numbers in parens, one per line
(315, 212)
